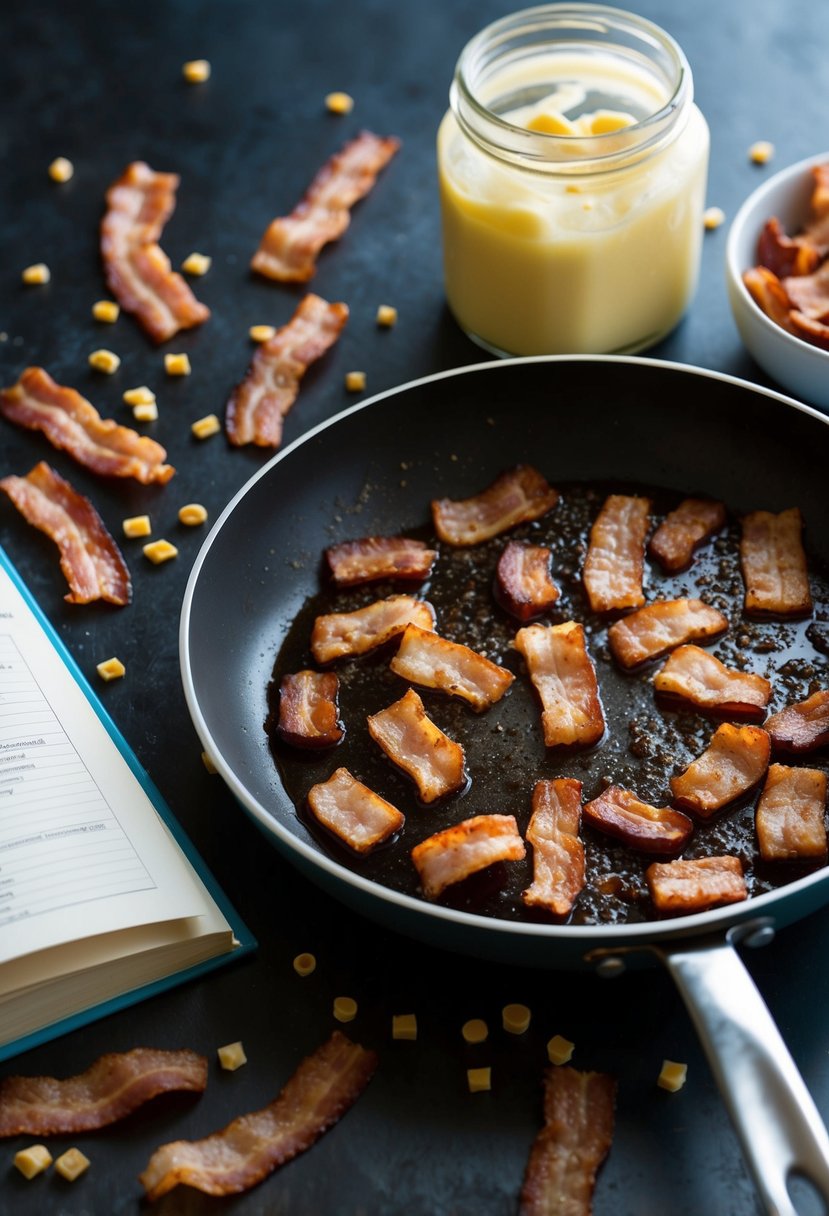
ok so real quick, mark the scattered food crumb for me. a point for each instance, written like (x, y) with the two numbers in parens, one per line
(559, 1049)
(232, 1056)
(673, 1076)
(304, 964)
(145, 411)
(475, 1030)
(196, 71)
(104, 361)
(713, 217)
(208, 764)
(345, 1008)
(404, 1026)
(61, 169)
(160, 551)
(261, 333)
(177, 365)
(386, 315)
(478, 1079)
(192, 514)
(111, 669)
(139, 396)
(33, 1160)
(106, 310)
(339, 103)
(137, 525)
(71, 1164)
(355, 382)
(761, 152)
(196, 263)
(203, 428)
(38, 273)
(516, 1018)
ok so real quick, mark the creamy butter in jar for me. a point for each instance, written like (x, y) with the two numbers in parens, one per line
(572, 167)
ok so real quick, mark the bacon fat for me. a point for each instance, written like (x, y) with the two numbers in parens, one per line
(558, 853)
(354, 562)
(615, 561)
(415, 744)
(790, 819)
(564, 678)
(683, 529)
(774, 564)
(734, 762)
(523, 582)
(650, 829)
(692, 674)
(434, 662)
(652, 631)
(338, 635)
(353, 812)
(681, 887)
(515, 497)
(803, 727)
(465, 848)
(308, 710)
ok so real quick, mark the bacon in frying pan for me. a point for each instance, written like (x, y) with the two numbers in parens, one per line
(790, 816)
(353, 812)
(138, 271)
(803, 727)
(649, 829)
(692, 674)
(354, 562)
(523, 582)
(89, 557)
(564, 678)
(515, 497)
(681, 887)
(258, 405)
(466, 848)
(683, 529)
(413, 742)
(110, 1089)
(774, 564)
(558, 853)
(652, 631)
(434, 662)
(72, 423)
(338, 635)
(289, 248)
(615, 561)
(308, 710)
(769, 294)
(734, 762)
(325, 1086)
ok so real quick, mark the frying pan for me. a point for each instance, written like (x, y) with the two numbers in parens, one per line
(373, 470)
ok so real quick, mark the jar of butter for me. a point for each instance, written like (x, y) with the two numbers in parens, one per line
(572, 166)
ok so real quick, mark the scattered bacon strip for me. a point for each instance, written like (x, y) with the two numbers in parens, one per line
(650, 829)
(308, 709)
(681, 887)
(568, 1151)
(732, 764)
(290, 245)
(111, 1088)
(564, 678)
(465, 848)
(769, 294)
(72, 423)
(615, 559)
(137, 270)
(89, 557)
(652, 631)
(803, 727)
(694, 675)
(558, 853)
(774, 564)
(432, 661)
(692, 522)
(353, 812)
(515, 497)
(786, 255)
(790, 815)
(375, 557)
(523, 582)
(258, 405)
(338, 635)
(325, 1086)
(414, 743)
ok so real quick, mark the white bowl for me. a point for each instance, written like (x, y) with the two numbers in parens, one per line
(801, 368)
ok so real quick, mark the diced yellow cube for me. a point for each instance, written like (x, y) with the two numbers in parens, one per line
(386, 315)
(404, 1026)
(111, 669)
(673, 1076)
(559, 1049)
(232, 1056)
(104, 361)
(712, 218)
(106, 310)
(33, 1160)
(515, 1018)
(339, 103)
(38, 273)
(203, 428)
(208, 763)
(139, 396)
(61, 169)
(137, 525)
(355, 382)
(177, 365)
(478, 1079)
(196, 71)
(147, 411)
(475, 1030)
(160, 551)
(71, 1164)
(304, 964)
(261, 333)
(196, 263)
(761, 152)
(345, 1008)
(192, 514)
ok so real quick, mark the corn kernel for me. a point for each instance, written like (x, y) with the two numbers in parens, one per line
(33, 1160)
(712, 218)
(761, 152)
(673, 1076)
(191, 514)
(196, 71)
(208, 763)
(111, 669)
(404, 1026)
(203, 428)
(232, 1056)
(261, 333)
(71, 1164)
(515, 1018)
(304, 964)
(345, 1008)
(146, 412)
(104, 361)
(196, 263)
(39, 273)
(139, 396)
(159, 551)
(339, 103)
(475, 1030)
(355, 382)
(137, 525)
(61, 169)
(177, 365)
(106, 310)
(386, 315)
(559, 1049)
(478, 1079)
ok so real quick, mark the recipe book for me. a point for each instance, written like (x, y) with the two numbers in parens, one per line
(103, 899)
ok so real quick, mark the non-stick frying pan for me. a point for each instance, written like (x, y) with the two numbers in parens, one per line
(373, 470)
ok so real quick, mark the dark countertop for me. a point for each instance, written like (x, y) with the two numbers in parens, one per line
(101, 84)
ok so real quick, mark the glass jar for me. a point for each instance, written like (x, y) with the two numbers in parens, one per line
(572, 167)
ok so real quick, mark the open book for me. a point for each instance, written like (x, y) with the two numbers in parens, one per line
(103, 900)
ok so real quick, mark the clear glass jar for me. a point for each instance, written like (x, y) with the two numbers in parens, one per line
(572, 168)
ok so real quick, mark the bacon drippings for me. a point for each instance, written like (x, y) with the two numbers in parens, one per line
(615, 561)
(308, 709)
(681, 887)
(770, 295)
(433, 662)
(338, 635)
(89, 557)
(376, 557)
(790, 815)
(652, 631)
(515, 497)
(353, 812)
(649, 829)
(137, 270)
(692, 674)
(72, 423)
(289, 248)
(110, 1089)
(774, 564)
(257, 407)
(732, 764)
(325, 1086)
(558, 853)
(803, 727)
(523, 582)
(415, 744)
(466, 848)
(682, 530)
(564, 678)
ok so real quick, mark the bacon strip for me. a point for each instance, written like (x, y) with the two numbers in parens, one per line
(415, 744)
(137, 270)
(308, 710)
(694, 675)
(786, 255)
(615, 561)
(257, 407)
(289, 248)
(433, 662)
(325, 1086)
(523, 582)
(774, 564)
(110, 1089)
(465, 848)
(681, 887)
(564, 678)
(790, 815)
(652, 631)
(72, 423)
(353, 812)
(809, 293)
(375, 557)
(769, 294)
(338, 635)
(650, 829)
(732, 764)
(558, 853)
(515, 497)
(803, 727)
(89, 557)
(682, 530)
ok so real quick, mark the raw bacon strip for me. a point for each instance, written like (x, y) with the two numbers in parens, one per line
(325, 1086)
(432, 661)
(732, 764)
(615, 559)
(515, 497)
(111, 1088)
(523, 582)
(353, 812)
(72, 423)
(564, 678)
(694, 675)
(652, 631)
(786, 255)
(338, 635)
(308, 710)
(414, 743)
(568, 1151)
(375, 557)
(774, 564)
(89, 557)
(680, 887)
(692, 522)
(257, 406)
(650, 829)
(137, 270)
(288, 250)
(790, 815)
(803, 727)
(558, 853)
(770, 295)
(464, 849)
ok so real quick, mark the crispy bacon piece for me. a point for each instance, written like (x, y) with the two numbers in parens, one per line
(615, 559)
(770, 295)
(568, 1151)
(257, 407)
(558, 853)
(786, 255)
(680, 887)
(289, 248)
(110, 1089)
(89, 557)
(809, 293)
(465, 848)
(809, 328)
(325, 1086)
(523, 583)
(375, 557)
(652, 631)
(694, 675)
(650, 829)
(72, 423)
(359, 817)
(308, 710)
(338, 635)
(433, 662)
(732, 764)
(564, 678)
(774, 564)
(693, 521)
(803, 727)
(414, 743)
(515, 497)
(137, 270)
(790, 815)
